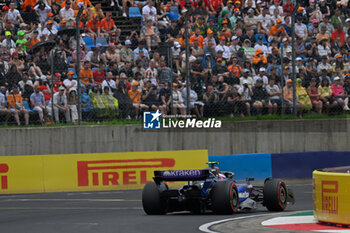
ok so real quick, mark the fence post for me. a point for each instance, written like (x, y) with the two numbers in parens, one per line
(293, 60)
(77, 36)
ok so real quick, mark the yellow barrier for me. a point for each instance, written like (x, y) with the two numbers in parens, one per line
(331, 195)
(89, 172)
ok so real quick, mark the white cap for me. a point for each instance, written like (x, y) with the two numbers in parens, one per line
(262, 69)
(336, 78)
(177, 44)
(347, 20)
(288, 50)
(234, 37)
(258, 2)
(284, 39)
(62, 88)
(245, 81)
(43, 77)
(128, 42)
(298, 59)
(237, 86)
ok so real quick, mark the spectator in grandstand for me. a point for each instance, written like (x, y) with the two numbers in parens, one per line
(126, 54)
(261, 76)
(12, 77)
(26, 86)
(325, 92)
(93, 27)
(150, 33)
(108, 26)
(94, 56)
(60, 104)
(338, 92)
(274, 93)
(13, 15)
(69, 82)
(135, 96)
(15, 105)
(304, 98)
(149, 11)
(346, 87)
(314, 97)
(111, 55)
(3, 109)
(86, 75)
(260, 97)
(141, 51)
(259, 60)
(324, 65)
(110, 102)
(48, 31)
(150, 97)
(38, 102)
(288, 97)
(211, 101)
(72, 99)
(42, 10)
(8, 42)
(278, 31)
(110, 83)
(178, 102)
(234, 102)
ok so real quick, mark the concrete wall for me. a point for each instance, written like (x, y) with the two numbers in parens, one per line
(232, 138)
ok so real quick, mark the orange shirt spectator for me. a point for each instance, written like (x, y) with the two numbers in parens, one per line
(259, 57)
(277, 29)
(236, 70)
(199, 38)
(135, 96)
(28, 2)
(341, 34)
(87, 76)
(107, 25)
(13, 99)
(93, 24)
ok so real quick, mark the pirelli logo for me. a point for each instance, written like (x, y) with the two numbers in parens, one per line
(118, 172)
(4, 168)
(330, 197)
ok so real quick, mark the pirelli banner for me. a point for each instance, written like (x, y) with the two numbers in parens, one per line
(91, 172)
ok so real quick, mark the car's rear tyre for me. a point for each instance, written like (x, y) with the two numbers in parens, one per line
(151, 199)
(224, 197)
(275, 195)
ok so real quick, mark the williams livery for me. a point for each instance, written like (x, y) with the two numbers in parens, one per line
(210, 189)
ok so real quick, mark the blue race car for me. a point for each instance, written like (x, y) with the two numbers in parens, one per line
(208, 189)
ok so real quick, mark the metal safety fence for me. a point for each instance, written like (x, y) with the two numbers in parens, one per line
(86, 61)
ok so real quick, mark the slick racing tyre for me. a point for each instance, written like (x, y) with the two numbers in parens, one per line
(151, 199)
(224, 197)
(275, 195)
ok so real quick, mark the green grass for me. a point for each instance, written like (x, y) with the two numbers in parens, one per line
(308, 213)
(223, 119)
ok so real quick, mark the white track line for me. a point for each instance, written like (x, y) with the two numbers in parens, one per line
(205, 227)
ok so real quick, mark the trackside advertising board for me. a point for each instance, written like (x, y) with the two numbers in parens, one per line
(90, 172)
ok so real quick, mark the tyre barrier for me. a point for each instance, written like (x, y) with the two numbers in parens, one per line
(331, 192)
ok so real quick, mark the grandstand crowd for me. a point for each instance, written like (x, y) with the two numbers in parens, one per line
(240, 58)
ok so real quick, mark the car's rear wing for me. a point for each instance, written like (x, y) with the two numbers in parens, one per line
(181, 175)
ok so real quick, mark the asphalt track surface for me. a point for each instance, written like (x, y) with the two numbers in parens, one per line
(117, 211)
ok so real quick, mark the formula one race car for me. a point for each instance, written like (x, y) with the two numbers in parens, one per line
(208, 189)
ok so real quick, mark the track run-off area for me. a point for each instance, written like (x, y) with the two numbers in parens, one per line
(121, 212)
